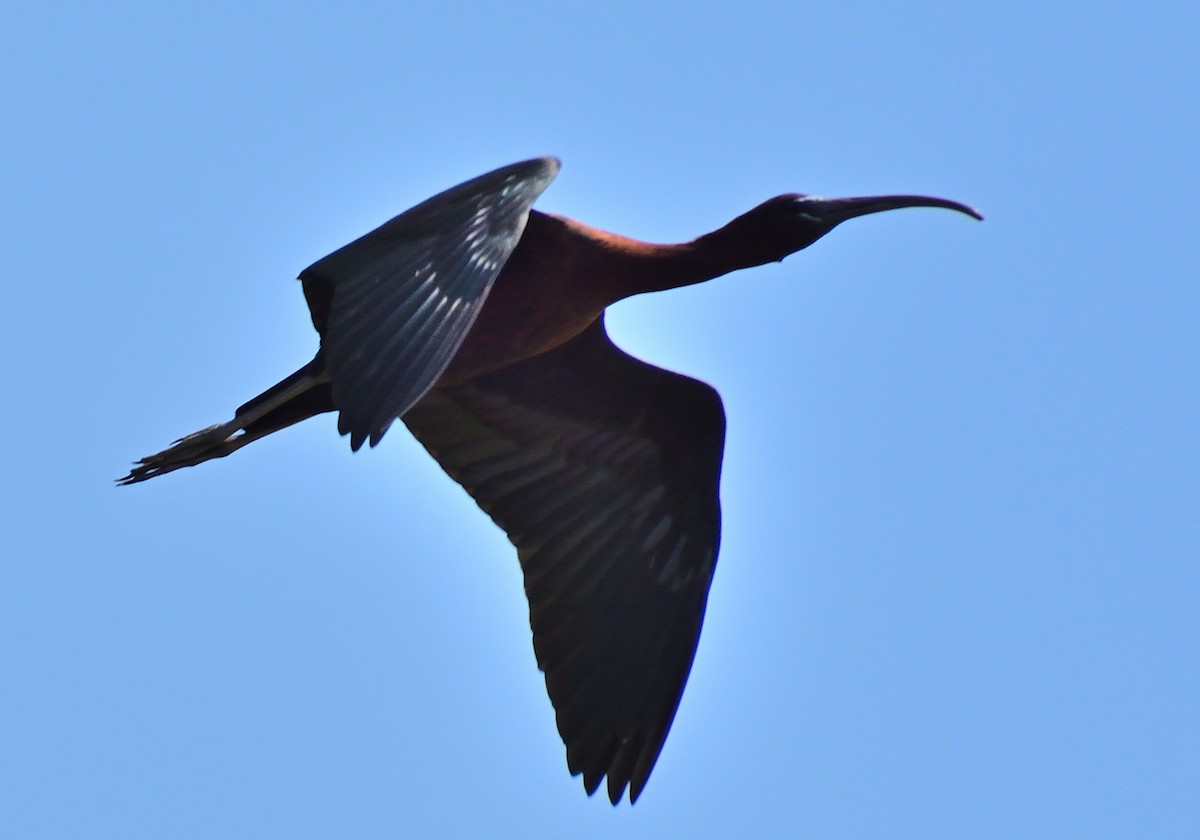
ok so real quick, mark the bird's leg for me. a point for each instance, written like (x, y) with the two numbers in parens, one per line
(216, 441)
(300, 396)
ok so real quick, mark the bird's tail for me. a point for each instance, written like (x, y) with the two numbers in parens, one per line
(302, 395)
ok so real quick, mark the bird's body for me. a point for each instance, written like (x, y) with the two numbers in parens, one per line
(539, 301)
(479, 322)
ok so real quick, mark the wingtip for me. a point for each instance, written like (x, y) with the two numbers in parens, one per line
(636, 786)
(553, 164)
(358, 435)
(541, 170)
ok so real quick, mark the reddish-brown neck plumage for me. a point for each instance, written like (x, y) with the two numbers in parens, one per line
(563, 274)
(607, 267)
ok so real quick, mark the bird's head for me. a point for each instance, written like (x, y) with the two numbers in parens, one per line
(788, 223)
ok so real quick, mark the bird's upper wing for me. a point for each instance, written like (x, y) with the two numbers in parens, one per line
(393, 306)
(603, 471)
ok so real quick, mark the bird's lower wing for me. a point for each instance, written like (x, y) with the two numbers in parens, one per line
(394, 306)
(603, 471)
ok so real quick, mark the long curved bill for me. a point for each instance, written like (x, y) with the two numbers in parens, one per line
(837, 210)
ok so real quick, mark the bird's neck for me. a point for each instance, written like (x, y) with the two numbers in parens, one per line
(621, 267)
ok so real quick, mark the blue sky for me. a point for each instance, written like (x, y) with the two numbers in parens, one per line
(957, 594)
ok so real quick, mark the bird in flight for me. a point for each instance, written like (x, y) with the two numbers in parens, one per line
(478, 322)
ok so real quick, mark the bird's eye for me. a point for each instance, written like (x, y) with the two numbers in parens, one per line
(805, 207)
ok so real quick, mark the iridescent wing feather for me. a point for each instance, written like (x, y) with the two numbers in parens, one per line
(394, 306)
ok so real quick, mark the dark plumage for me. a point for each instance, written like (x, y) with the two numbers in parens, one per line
(479, 323)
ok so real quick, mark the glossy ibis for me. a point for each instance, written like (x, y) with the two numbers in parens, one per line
(479, 322)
